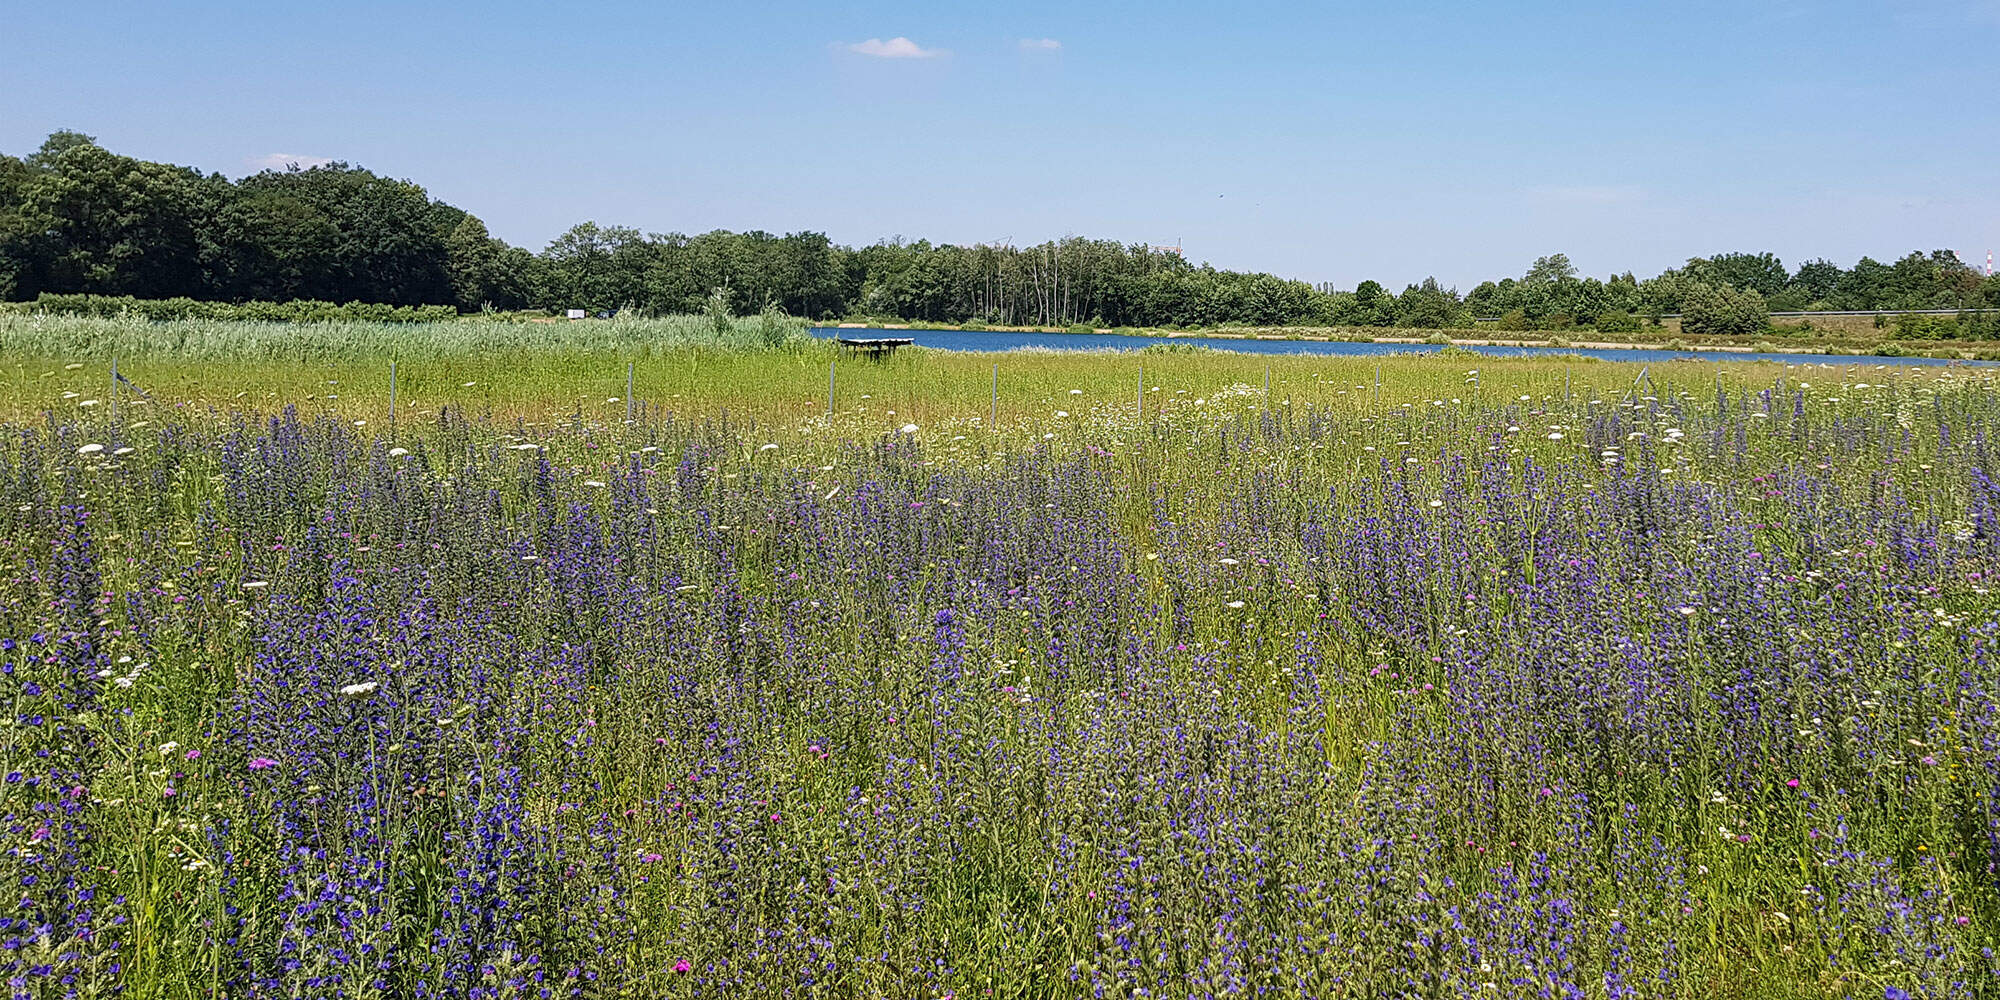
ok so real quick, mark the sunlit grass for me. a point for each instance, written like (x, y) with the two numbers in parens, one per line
(1538, 673)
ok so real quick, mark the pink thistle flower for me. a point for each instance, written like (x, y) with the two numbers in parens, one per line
(1792, 783)
(682, 966)
(260, 763)
(194, 755)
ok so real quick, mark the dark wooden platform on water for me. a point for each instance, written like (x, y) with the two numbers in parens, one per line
(876, 348)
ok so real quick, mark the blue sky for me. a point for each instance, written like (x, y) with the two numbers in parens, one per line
(1329, 142)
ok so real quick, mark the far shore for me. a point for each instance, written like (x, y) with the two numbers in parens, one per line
(1939, 349)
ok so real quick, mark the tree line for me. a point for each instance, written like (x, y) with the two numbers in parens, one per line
(76, 218)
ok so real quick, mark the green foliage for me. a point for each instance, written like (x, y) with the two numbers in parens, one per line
(182, 308)
(596, 268)
(719, 315)
(1427, 306)
(1549, 270)
(773, 324)
(1762, 273)
(1722, 309)
(1922, 326)
(1371, 305)
(1617, 321)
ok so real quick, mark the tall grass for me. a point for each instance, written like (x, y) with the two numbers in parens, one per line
(1496, 683)
(306, 343)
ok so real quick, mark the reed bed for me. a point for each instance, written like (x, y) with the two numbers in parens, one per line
(206, 340)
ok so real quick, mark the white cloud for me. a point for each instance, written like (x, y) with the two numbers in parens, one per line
(1040, 45)
(895, 48)
(284, 161)
(1592, 194)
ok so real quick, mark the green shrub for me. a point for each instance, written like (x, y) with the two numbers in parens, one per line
(1617, 321)
(1722, 309)
(1913, 326)
(773, 324)
(719, 314)
(1516, 319)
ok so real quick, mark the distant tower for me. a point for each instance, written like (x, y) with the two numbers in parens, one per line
(1989, 263)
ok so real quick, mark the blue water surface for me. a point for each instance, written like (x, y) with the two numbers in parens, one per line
(983, 340)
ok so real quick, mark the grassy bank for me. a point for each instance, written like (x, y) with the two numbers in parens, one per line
(62, 367)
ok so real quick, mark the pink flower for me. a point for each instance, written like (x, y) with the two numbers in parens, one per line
(260, 763)
(194, 754)
(169, 793)
(1792, 783)
(1546, 792)
(682, 966)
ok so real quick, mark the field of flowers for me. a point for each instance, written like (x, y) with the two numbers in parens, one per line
(1676, 687)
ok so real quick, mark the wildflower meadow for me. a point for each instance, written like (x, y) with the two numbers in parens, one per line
(1679, 685)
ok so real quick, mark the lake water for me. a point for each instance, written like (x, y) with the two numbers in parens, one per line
(967, 340)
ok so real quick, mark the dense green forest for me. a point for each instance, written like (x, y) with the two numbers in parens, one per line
(76, 218)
